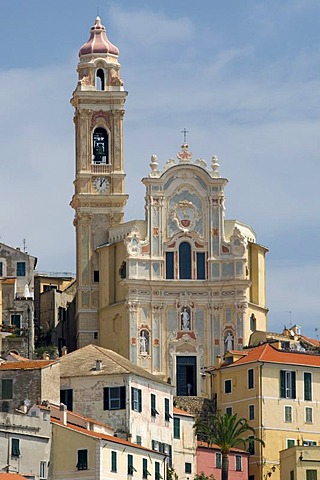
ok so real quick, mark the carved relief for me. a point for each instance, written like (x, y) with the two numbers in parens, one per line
(101, 115)
(186, 215)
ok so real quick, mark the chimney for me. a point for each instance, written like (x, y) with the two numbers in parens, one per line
(218, 361)
(63, 414)
(98, 365)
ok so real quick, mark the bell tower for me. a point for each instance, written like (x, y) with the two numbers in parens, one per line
(99, 197)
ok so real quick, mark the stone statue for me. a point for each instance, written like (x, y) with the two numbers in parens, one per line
(143, 340)
(185, 319)
(229, 342)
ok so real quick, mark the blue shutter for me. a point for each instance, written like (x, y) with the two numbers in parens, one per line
(169, 265)
(185, 267)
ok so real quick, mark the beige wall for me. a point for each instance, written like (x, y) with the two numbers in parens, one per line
(184, 448)
(269, 419)
(299, 459)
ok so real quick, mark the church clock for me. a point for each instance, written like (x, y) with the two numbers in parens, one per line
(99, 197)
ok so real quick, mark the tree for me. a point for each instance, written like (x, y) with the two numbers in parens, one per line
(227, 432)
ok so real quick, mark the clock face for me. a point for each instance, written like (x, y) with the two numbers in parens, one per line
(101, 184)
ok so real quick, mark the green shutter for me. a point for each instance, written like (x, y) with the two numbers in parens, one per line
(293, 381)
(140, 400)
(176, 427)
(7, 389)
(307, 386)
(282, 384)
(113, 461)
(15, 447)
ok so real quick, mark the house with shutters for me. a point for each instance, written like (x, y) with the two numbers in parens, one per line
(101, 384)
(277, 391)
(84, 448)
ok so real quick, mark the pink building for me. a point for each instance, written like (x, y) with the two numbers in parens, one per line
(209, 462)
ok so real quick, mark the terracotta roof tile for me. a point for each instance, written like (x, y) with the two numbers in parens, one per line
(201, 444)
(11, 476)
(98, 435)
(26, 365)
(179, 411)
(267, 353)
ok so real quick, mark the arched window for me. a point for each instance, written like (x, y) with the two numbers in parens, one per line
(100, 146)
(185, 270)
(100, 79)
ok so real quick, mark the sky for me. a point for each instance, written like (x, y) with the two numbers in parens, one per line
(241, 75)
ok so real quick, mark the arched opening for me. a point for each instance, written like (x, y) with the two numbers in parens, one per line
(100, 146)
(185, 269)
(100, 79)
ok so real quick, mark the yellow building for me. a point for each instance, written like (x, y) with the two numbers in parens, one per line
(300, 462)
(175, 290)
(82, 449)
(278, 392)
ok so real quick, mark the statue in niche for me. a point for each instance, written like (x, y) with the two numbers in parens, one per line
(228, 342)
(185, 318)
(144, 342)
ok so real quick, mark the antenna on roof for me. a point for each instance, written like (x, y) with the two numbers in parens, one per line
(24, 245)
(184, 131)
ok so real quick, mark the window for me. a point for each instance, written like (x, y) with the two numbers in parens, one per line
(145, 472)
(113, 461)
(43, 470)
(7, 389)
(1, 269)
(167, 415)
(311, 475)
(253, 322)
(82, 459)
(114, 398)
(169, 265)
(251, 378)
(309, 443)
(138, 440)
(308, 415)
(288, 413)
(66, 397)
(21, 269)
(187, 467)
(176, 427)
(218, 460)
(251, 412)
(251, 446)
(154, 411)
(100, 146)
(229, 411)
(16, 322)
(291, 474)
(307, 386)
(185, 270)
(136, 399)
(201, 266)
(227, 386)
(287, 384)
(15, 447)
(157, 473)
(96, 276)
(290, 442)
(238, 463)
(131, 468)
(100, 79)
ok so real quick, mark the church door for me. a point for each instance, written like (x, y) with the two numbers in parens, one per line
(186, 376)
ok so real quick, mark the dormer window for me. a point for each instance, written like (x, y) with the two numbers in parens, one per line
(100, 79)
(100, 146)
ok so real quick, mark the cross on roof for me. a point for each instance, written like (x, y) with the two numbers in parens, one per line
(184, 131)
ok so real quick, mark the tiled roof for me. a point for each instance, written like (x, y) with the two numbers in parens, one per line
(11, 476)
(82, 363)
(201, 444)
(178, 411)
(99, 435)
(312, 341)
(267, 353)
(55, 413)
(26, 365)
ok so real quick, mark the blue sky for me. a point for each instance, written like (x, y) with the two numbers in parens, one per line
(241, 76)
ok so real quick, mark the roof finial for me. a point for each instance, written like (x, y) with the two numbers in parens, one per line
(184, 131)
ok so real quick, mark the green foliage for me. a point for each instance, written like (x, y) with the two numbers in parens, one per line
(50, 349)
(202, 476)
(226, 431)
(171, 474)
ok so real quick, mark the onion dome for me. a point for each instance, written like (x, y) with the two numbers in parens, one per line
(98, 42)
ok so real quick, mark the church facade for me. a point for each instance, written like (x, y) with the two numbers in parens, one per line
(177, 289)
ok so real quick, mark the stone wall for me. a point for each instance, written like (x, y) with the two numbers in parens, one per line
(198, 406)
